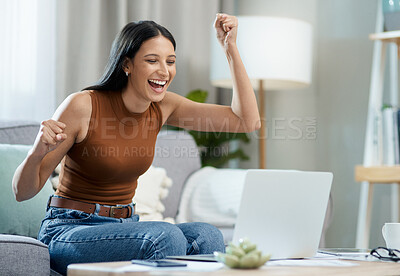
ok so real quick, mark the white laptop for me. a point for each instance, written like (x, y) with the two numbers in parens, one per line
(282, 212)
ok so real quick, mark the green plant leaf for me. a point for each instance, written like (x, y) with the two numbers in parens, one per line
(198, 95)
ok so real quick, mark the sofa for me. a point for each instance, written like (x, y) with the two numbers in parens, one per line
(176, 154)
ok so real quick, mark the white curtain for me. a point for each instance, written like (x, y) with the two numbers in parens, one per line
(27, 59)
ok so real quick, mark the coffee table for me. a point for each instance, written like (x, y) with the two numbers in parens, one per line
(364, 268)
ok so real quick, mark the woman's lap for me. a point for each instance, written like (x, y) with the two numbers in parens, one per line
(77, 237)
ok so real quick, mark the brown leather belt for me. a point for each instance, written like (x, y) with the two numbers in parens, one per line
(90, 208)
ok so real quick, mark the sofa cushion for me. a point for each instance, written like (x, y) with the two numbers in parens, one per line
(213, 196)
(177, 153)
(23, 256)
(152, 187)
(20, 218)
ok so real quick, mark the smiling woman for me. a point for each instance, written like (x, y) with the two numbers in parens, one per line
(92, 209)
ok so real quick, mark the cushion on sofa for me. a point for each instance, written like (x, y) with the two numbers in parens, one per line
(20, 218)
(212, 195)
(23, 256)
(152, 187)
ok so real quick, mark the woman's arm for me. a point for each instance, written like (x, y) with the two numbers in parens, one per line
(56, 136)
(244, 103)
(241, 116)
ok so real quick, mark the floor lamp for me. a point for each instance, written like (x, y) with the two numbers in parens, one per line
(277, 54)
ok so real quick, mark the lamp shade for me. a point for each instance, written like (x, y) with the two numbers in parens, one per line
(276, 50)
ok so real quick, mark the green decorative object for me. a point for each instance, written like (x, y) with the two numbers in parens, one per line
(213, 145)
(242, 256)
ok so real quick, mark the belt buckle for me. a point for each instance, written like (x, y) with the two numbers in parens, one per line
(112, 214)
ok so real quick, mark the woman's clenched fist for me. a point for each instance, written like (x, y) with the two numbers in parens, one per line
(50, 136)
(226, 29)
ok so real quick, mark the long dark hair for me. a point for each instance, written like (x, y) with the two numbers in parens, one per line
(126, 44)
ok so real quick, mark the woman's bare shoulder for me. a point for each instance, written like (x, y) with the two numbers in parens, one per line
(78, 103)
(75, 111)
(80, 100)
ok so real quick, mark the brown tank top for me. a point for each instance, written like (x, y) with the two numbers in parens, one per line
(117, 149)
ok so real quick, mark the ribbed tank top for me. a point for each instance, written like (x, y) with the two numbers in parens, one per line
(118, 148)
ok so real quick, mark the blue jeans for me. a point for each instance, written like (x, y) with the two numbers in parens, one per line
(77, 237)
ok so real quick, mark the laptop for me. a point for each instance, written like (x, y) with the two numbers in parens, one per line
(282, 211)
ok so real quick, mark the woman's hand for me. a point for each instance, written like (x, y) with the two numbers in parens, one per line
(49, 137)
(226, 28)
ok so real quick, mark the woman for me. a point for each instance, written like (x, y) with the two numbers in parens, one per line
(91, 216)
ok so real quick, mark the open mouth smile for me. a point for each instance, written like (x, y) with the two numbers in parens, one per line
(157, 85)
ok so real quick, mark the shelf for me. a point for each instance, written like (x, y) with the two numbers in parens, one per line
(368, 176)
(393, 36)
(378, 174)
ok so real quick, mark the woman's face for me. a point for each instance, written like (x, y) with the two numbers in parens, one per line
(153, 69)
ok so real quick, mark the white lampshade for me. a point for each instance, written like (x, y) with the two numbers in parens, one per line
(276, 50)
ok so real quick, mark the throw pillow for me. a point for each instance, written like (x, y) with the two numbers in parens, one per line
(55, 177)
(152, 187)
(212, 195)
(19, 218)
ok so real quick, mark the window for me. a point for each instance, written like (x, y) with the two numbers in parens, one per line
(27, 59)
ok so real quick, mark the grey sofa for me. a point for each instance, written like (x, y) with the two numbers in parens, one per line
(23, 255)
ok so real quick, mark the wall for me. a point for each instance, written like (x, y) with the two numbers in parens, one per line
(337, 99)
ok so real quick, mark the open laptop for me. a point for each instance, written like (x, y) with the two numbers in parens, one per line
(282, 212)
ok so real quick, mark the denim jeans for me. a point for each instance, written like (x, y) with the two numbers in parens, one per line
(77, 237)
